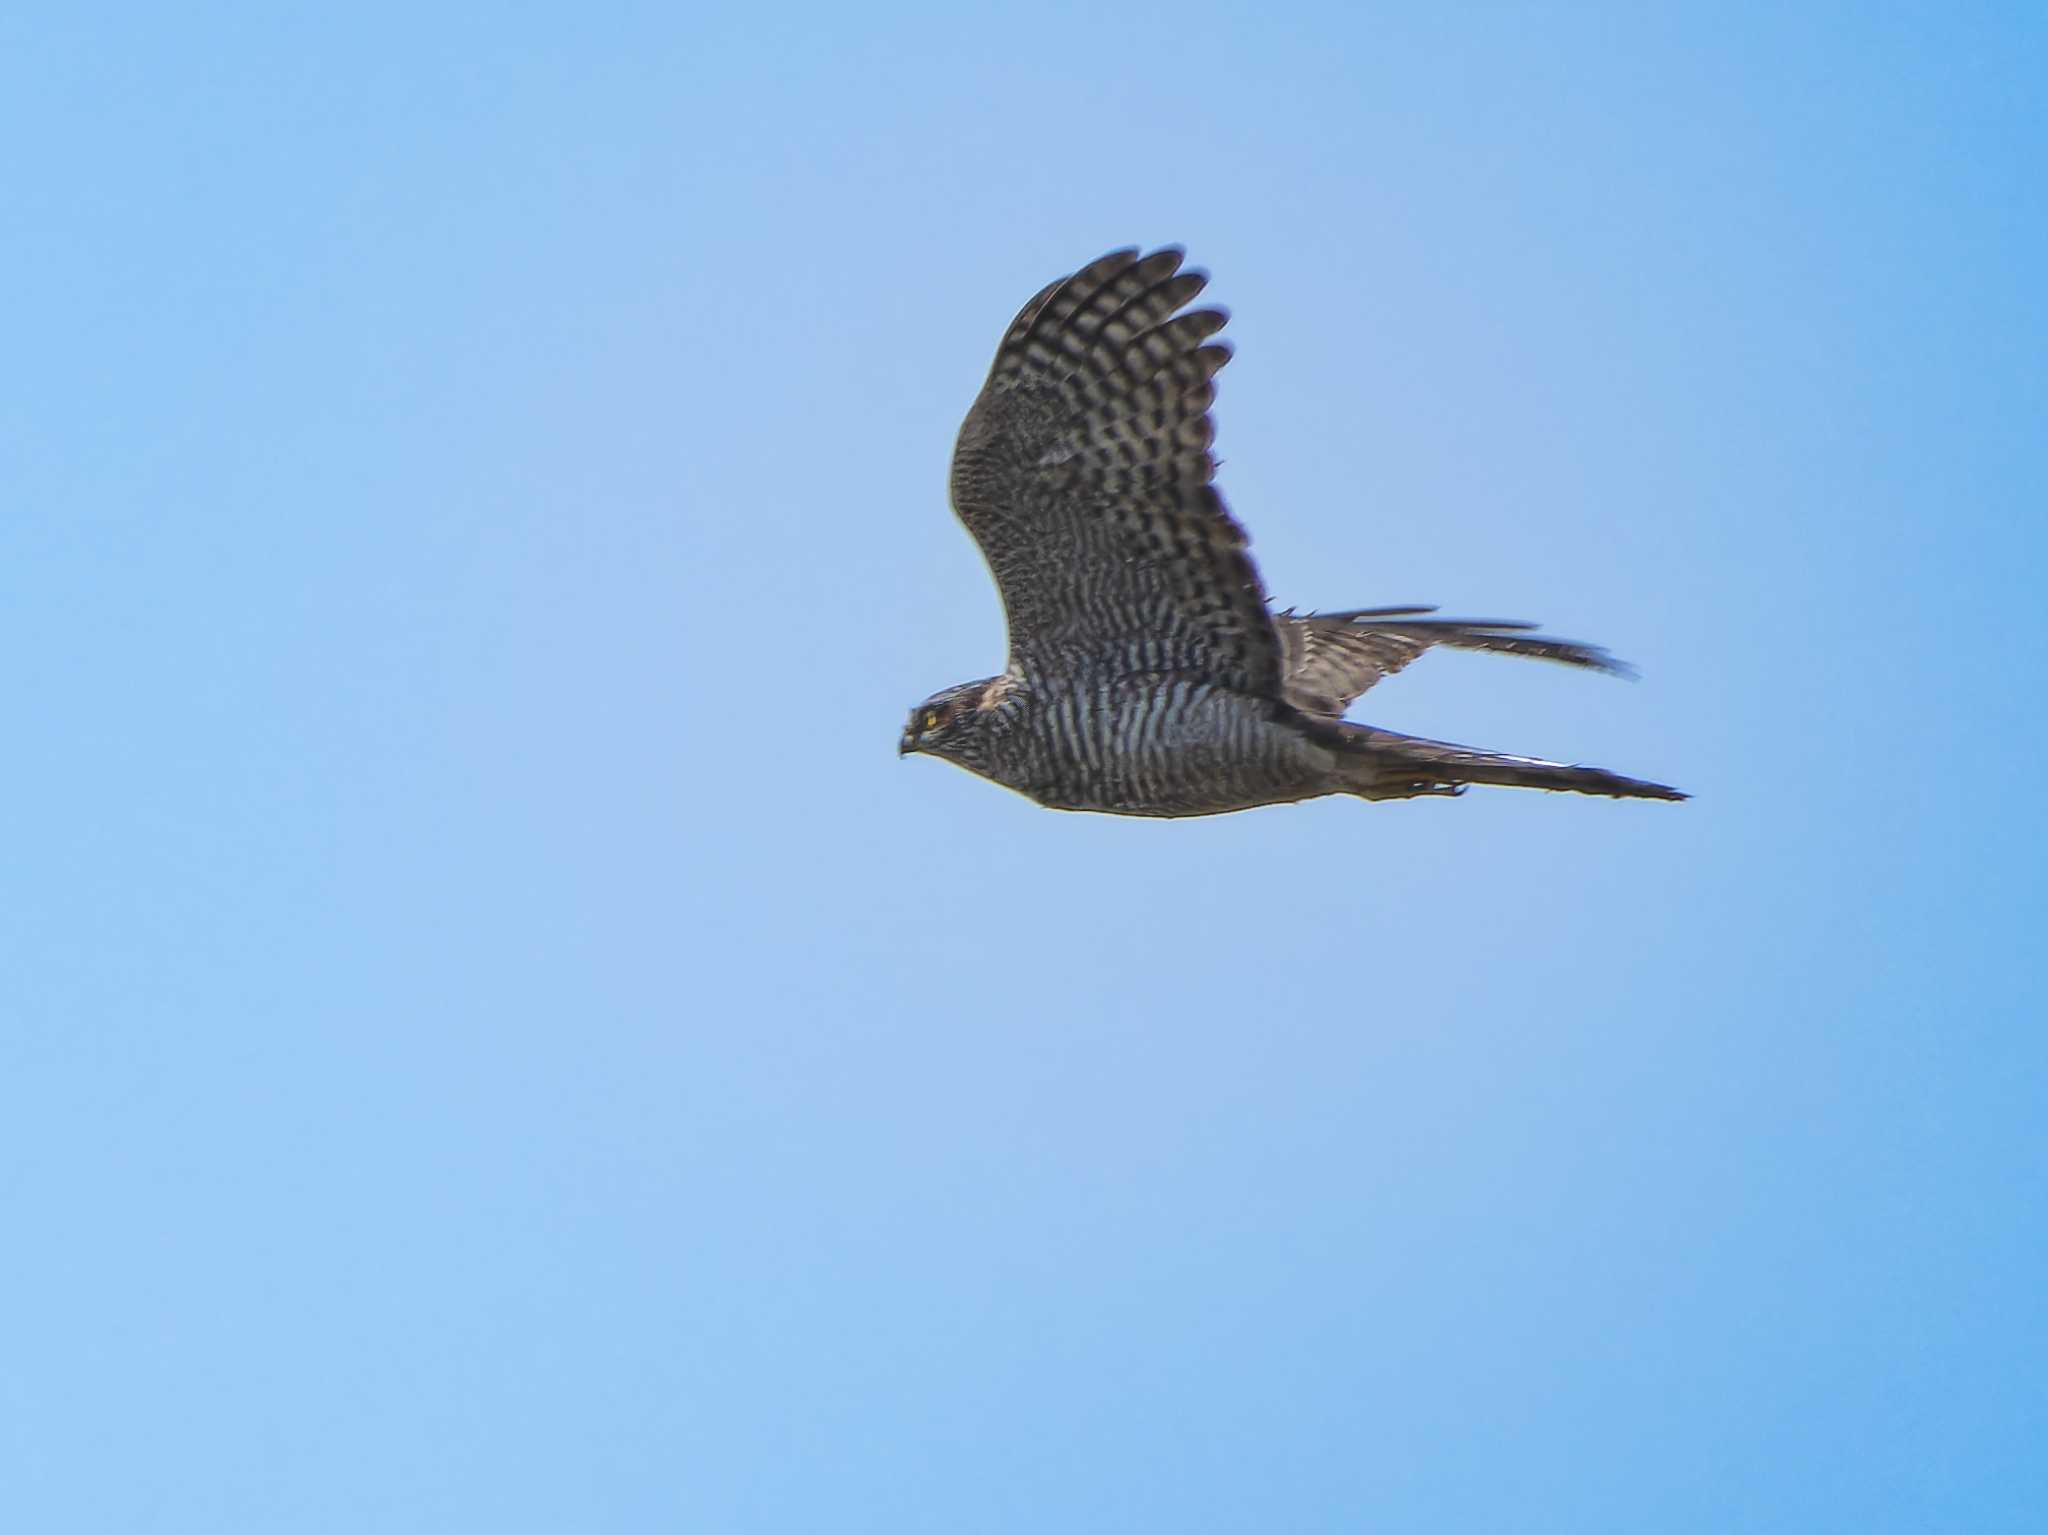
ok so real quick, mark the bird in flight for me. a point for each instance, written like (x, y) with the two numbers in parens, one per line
(1147, 674)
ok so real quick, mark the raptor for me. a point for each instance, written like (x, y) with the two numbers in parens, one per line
(1147, 674)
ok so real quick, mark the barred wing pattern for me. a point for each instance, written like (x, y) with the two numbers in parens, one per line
(1083, 470)
(1329, 659)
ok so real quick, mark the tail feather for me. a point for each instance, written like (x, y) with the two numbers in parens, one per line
(1383, 764)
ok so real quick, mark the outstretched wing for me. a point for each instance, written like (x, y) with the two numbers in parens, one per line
(1083, 470)
(1328, 659)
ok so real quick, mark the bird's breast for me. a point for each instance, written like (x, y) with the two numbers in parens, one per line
(1161, 744)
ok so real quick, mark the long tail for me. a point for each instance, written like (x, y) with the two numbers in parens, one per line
(1382, 764)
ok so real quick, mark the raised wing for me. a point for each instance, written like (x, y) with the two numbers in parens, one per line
(1083, 470)
(1328, 659)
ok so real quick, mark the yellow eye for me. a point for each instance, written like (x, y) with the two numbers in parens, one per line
(931, 719)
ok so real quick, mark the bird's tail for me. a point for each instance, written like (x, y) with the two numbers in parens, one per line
(1382, 764)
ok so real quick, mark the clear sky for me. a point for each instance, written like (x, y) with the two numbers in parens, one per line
(492, 1038)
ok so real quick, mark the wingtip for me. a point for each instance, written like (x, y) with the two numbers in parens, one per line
(1662, 791)
(1614, 666)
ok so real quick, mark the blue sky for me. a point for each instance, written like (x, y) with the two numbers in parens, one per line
(492, 1037)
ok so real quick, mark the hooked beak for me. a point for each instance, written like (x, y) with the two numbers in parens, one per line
(907, 745)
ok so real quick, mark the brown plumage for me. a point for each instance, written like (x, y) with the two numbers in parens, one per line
(1146, 674)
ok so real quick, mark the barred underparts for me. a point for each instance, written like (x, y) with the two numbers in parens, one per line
(1147, 674)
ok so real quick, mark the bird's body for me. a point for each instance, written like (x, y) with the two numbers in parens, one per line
(1146, 744)
(1146, 674)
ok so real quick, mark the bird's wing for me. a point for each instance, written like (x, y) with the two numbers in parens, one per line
(1083, 470)
(1328, 659)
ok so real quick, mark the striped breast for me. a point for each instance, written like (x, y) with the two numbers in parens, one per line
(1165, 745)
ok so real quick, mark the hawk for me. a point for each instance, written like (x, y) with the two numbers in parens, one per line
(1147, 675)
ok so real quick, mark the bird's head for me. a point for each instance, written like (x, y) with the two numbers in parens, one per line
(947, 724)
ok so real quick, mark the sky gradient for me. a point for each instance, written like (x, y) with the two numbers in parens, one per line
(491, 1037)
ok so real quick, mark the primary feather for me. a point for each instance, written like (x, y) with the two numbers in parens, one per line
(1146, 673)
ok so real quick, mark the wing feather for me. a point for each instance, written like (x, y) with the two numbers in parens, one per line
(1084, 471)
(1329, 659)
